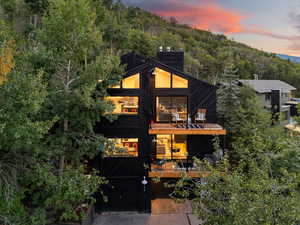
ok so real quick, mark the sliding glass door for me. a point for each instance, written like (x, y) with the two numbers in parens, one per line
(165, 106)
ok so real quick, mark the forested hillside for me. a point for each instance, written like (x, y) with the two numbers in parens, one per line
(127, 29)
(206, 54)
(57, 60)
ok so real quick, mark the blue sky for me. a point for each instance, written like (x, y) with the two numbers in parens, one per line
(271, 25)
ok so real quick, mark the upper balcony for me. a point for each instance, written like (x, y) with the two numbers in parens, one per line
(187, 129)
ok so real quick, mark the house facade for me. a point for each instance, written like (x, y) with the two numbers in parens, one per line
(273, 92)
(158, 130)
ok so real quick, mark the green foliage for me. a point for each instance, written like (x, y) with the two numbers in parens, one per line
(231, 196)
(260, 185)
(21, 98)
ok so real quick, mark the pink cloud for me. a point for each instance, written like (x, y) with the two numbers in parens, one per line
(209, 16)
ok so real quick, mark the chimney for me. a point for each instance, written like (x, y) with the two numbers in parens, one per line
(171, 58)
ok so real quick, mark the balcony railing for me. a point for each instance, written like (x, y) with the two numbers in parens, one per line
(175, 168)
(190, 129)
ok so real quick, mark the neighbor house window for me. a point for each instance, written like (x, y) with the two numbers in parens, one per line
(131, 82)
(164, 79)
(122, 147)
(124, 104)
(171, 147)
(165, 106)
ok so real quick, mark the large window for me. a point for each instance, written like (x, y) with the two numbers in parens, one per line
(164, 79)
(166, 106)
(132, 82)
(124, 104)
(171, 147)
(122, 147)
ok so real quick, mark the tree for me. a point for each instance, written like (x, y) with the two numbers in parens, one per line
(73, 43)
(21, 132)
(7, 44)
(257, 183)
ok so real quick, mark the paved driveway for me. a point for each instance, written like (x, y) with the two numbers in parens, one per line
(145, 219)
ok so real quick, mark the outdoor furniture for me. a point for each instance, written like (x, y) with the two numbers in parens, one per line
(200, 116)
(176, 117)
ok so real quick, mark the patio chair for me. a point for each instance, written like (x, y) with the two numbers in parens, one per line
(200, 116)
(175, 116)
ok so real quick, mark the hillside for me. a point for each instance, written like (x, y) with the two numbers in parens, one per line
(206, 54)
(291, 58)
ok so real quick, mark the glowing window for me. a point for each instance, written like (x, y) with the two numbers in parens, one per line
(179, 82)
(129, 82)
(132, 81)
(116, 86)
(167, 106)
(125, 104)
(171, 147)
(122, 147)
(162, 78)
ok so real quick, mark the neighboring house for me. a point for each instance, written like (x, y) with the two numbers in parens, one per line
(277, 90)
(156, 133)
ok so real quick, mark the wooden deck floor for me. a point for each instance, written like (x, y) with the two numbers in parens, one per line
(168, 128)
(178, 173)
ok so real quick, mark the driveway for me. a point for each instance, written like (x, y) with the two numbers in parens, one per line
(123, 218)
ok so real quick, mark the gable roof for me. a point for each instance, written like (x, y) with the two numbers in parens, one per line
(266, 86)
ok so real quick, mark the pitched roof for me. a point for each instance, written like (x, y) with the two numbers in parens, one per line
(265, 86)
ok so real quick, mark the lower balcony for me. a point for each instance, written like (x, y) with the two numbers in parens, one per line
(175, 169)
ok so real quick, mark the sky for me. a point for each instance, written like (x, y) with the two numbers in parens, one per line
(269, 25)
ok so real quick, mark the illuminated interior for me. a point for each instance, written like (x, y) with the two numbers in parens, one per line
(126, 147)
(116, 86)
(124, 104)
(171, 147)
(179, 82)
(132, 82)
(164, 79)
(166, 106)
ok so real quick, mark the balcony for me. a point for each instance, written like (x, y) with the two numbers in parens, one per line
(176, 169)
(184, 129)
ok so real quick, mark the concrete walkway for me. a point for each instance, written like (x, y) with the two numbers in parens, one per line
(123, 218)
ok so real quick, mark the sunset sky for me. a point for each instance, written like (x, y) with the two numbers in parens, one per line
(270, 25)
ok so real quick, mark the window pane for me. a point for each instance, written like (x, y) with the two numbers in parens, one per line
(123, 147)
(125, 104)
(162, 78)
(163, 146)
(115, 86)
(179, 150)
(163, 109)
(179, 104)
(132, 81)
(179, 82)
(171, 147)
(168, 106)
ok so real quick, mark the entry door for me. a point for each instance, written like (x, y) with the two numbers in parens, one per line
(125, 194)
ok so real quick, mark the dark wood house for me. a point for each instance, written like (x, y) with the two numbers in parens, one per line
(165, 118)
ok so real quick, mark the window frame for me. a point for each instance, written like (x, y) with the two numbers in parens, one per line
(171, 81)
(169, 96)
(126, 114)
(121, 83)
(171, 147)
(120, 155)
